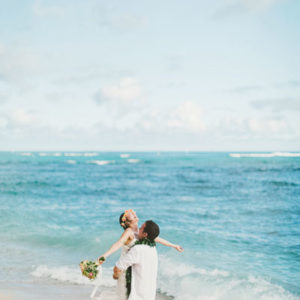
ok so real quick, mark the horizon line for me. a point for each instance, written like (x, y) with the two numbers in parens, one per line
(186, 151)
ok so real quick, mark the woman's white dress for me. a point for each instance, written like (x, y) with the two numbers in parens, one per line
(121, 284)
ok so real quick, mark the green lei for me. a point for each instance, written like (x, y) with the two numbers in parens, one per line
(145, 241)
(128, 273)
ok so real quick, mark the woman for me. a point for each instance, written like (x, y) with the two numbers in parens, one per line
(129, 221)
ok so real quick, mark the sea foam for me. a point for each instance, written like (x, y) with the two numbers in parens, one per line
(89, 154)
(274, 154)
(71, 162)
(72, 154)
(133, 161)
(182, 281)
(101, 162)
(50, 154)
(186, 282)
(86, 154)
(71, 274)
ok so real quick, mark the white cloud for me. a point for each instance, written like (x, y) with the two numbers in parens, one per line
(3, 123)
(278, 104)
(272, 126)
(41, 10)
(187, 116)
(125, 92)
(150, 128)
(259, 5)
(250, 127)
(246, 89)
(127, 22)
(234, 8)
(18, 124)
(21, 117)
(2, 49)
(18, 62)
(4, 96)
(141, 117)
(174, 63)
(152, 120)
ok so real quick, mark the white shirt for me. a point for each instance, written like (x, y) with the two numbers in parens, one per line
(143, 260)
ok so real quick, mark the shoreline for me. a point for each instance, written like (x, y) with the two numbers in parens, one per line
(52, 290)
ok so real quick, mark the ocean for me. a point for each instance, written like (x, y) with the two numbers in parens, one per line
(237, 215)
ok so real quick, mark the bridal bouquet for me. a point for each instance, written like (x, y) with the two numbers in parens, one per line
(89, 269)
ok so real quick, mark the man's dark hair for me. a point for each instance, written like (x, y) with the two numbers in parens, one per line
(152, 229)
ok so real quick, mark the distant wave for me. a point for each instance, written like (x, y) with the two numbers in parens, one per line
(43, 154)
(274, 154)
(133, 161)
(71, 162)
(49, 154)
(87, 154)
(90, 154)
(72, 154)
(101, 162)
(26, 154)
(125, 155)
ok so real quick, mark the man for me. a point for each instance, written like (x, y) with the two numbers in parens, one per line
(143, 259)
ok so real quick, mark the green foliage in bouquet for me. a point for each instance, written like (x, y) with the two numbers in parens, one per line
(89, 269)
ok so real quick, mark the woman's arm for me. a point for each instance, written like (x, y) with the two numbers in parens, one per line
(168, 244)
(116, 246)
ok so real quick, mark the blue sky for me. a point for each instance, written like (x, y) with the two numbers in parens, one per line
(150, 75)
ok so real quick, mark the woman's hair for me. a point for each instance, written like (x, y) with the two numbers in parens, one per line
(122, 222)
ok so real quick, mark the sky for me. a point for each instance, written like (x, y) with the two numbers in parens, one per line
(136, 75)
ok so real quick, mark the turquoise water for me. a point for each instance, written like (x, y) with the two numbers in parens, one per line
(236, 217)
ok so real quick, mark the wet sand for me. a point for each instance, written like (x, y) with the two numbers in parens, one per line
(57, 291)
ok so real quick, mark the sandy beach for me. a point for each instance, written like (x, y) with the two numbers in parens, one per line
(56, 291)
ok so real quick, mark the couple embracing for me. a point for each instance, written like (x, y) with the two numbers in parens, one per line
(136, 270)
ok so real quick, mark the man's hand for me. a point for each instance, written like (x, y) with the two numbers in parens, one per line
(117, 272)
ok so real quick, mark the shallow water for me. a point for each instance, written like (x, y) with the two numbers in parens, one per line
(236, 216)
